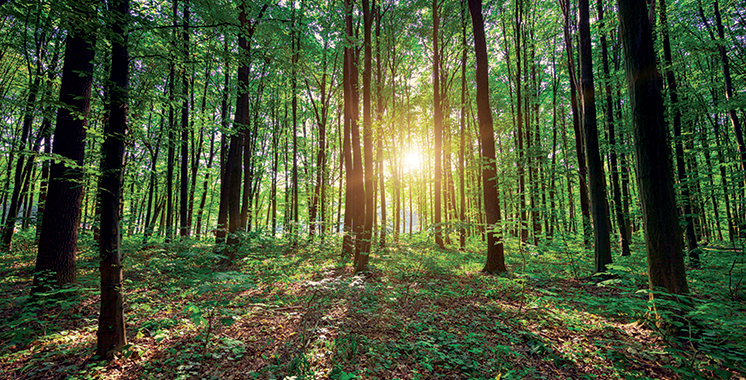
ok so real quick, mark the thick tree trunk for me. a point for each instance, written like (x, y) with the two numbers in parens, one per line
(364, 242)
(495, 262)
(231, 192)
(111, 331)
(663, 238)
(235, 150)
(58, 238)
(354, 209)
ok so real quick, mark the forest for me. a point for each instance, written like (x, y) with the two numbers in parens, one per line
(373, 189)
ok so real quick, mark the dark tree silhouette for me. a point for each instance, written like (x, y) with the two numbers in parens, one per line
(58, 238)
(111, 332)
(663, 238)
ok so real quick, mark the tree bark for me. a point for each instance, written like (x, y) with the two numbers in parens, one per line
(364, 242)
(462, 133)
(663, 238)
(438, 125)
(610, 124)
(231, 195)
(579, 145)
(686, 200)
(23, 161)
(734, 120)
(221, 229)
(184, 190)
(495, 257)
(596, 186)
(58, 238)
(111, 331)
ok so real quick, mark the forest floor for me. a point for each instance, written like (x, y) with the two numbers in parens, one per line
(296, 311)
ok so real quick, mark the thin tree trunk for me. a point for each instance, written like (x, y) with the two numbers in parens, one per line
(184, 191)
(610, 124)
(23, 161)
(691, 238)
(735, 122)
(379, 117)
(579, 145)
(220, 230)
(438, 125)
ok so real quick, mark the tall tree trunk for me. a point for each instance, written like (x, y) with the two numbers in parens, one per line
(364, 243)
(610, 124)
(663, 238)
(519, 126)
(295, 41)
(184, 191)
(495, 262)
(596, 186)
(23, 161)
(171, 137)
(58, 238)
(152, 185)
(111, 332)
(232, 177)
(203, 200)
(354, 207)
(438, 124)
(579, 145)
(686, 200)
(379, 118)
(220, 230)
(462, 132)
(735, 122)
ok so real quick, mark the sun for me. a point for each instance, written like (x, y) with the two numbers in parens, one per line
(412, 161)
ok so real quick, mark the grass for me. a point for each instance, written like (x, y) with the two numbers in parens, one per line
(296, 311)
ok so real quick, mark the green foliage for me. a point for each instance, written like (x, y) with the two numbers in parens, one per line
(420, 312)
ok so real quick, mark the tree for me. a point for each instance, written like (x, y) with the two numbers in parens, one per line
(663, 240)
(673, 93)
(610, 124)
(184, 142)
(58, 238)
(462, 131)
(230, 196)
(579, 146)
(596, 186)
(495, 257)
(364, 242)
(438, 124)
(111, 332)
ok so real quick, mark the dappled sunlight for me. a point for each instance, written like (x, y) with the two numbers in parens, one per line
(418, 311)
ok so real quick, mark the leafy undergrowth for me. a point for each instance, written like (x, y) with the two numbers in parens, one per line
(290, 310)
